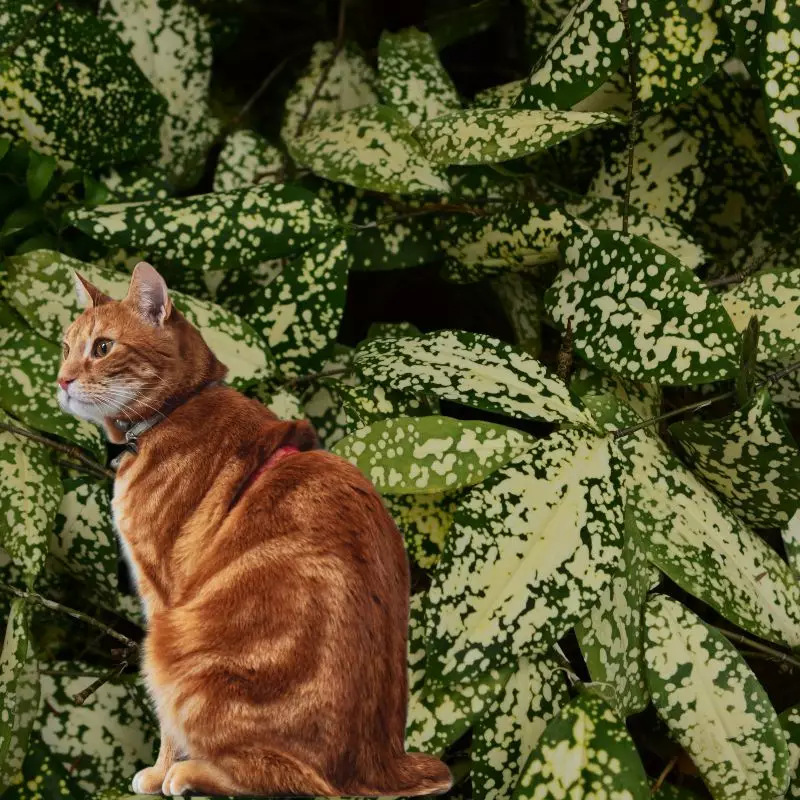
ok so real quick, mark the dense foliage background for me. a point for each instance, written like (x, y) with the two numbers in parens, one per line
(478, 246)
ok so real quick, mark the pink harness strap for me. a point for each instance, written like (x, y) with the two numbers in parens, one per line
(279, 454)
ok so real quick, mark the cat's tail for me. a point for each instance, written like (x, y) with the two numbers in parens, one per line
(415, 774)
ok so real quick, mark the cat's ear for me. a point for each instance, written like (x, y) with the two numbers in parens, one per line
(148, 295)
(89, 296)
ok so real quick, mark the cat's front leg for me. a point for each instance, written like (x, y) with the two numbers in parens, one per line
(150, 779)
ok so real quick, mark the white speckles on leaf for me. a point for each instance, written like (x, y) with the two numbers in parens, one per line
(247, 158)
(637, 311)
(424, 520)
(791, 541)
(790, 722)
(472, 369)
(713, 705)
(486, 136)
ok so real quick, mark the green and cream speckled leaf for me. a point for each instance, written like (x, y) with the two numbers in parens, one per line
(350, 82)
(412, 79)
(171, 43)
(791, 541)
(774, 297)
(372, 147)
(487, 135)
(745, 19)
(472, 369)
(299, 312)
(70, 88)
(748, 457)
(587, 752)
(44, 777)
(132, 184)
(429, 455)
(282, 402)
(321, 402)
(215, 231)
(108, 738)
(703, 547)
(713, 705)
(530, 551)
(611, 636)
(636, 310)
(424, 520)
(523, 302)
(83, 541)
(522, 235)
(503, 96)
(368, 403)
(780, 74)
(19, 693)
(247, 159)
(41, 288)
(607, 214)
(790, 722)
(503, 738)
(643, 398)
(29, 365)
(30, 492)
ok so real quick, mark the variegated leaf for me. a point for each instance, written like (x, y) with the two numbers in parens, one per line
(791, 541)
(523, 303)
(133, 184)
(372, 147)
(212, 231)
(774, 297)
(327, 87)
(520, 236)
(611, 636)
(486, 136)
(29, 365)
(368, 403)
(636, 310)
(713, 705)
(41, 287)
(43, 776)
(780, 73)
(697, 542)
(585, 751)
(472, 369)
(30, 492)
(643, 398)
(105, 740)
(300, 310)
(504, 738)
(424, 520)
(247, 159)
(282, 402)
(607, 214)
(170, 42)
(745, 19)
(321, 403)
(19, 692)
(83, 541)
(503, 96)
(530, 551)
(412, 79)
(790, 722)
(750, 458)
(69, 87)
(428, 455)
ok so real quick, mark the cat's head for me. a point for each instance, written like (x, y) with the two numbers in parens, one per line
(123, 361)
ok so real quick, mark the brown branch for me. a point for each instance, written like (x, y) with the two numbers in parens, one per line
(37, 599)
(86, 470)
(778, 655)
(633, 128)
(81, 697)
(664, 772)
(315, 376)
(69, 450)
(253, 99)
(748, 269)
(565, 352)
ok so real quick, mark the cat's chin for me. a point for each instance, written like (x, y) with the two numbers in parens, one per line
(86, 411)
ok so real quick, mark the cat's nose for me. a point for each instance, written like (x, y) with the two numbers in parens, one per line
(64, 382)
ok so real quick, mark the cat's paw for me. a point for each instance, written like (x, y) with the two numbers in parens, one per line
(148, 781)
(178, 780)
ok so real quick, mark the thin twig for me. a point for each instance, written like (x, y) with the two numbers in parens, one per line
(323, 76)
(778, 655)
(748, 269)
(37, 599)
(27, 32)
(664, 772)
(81, 697)
(633, 127)
(68, 450)
(67, 464)
(253, 99)
(315, 376)
(565, 352)
(646, 423)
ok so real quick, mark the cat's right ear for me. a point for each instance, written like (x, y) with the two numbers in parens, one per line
(89, 296)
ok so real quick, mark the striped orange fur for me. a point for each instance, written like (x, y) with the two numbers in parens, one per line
(277, 605)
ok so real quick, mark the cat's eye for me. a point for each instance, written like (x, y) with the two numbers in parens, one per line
(101, 347)
(65, 350)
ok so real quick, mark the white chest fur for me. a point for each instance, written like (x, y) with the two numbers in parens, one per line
(119, 508)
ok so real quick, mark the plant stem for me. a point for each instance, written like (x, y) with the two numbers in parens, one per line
(664, 772)
(633, 128)
(37, 599)
(68, 450)
(81, 697)
(314, 376)
(67, 464)
(265, 84)
(564, 362)
(778, 655)
(646, 423)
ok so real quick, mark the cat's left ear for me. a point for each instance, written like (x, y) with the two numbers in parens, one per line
(148, 295)
(89, 296)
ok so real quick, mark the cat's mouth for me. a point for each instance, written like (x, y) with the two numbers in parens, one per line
(88, 408)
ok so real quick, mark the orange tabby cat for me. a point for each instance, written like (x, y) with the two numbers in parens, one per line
(274, 581)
